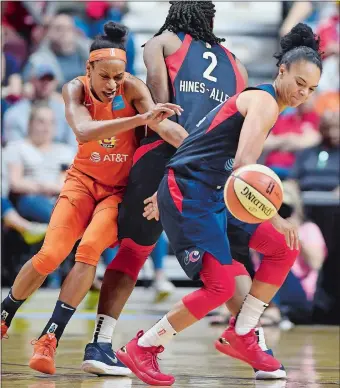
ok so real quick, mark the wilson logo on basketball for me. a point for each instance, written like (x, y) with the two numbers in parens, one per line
(259, 205)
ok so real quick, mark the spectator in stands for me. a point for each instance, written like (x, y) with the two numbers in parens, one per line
(25, 17)
(329, 37)
(36, 166)
(11, 84)
(32, 232)
(96, 14)
(293, 132)
(310, 12)
(44, 83)
(327, 102)
(318, 168)
(63, 50)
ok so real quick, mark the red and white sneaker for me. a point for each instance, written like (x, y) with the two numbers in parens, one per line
(143, 362)
(246, 348)
(4, 329)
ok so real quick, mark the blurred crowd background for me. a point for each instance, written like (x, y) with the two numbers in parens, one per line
(45, 44)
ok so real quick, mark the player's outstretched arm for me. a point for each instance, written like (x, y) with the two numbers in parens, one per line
(170, 131)
(260, 111)
(86, 129)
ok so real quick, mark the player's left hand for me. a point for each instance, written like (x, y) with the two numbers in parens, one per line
(151, 209)
(161, 112)
(289, 230)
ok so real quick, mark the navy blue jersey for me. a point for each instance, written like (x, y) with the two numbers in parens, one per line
(207, 154)
(201, 76)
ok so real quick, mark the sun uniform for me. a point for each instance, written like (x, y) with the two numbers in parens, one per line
(88, 203)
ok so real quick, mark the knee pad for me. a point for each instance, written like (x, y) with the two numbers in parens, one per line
(219, 287)
(130, 258)
(277, 259)
(239, 269)
(46, 261)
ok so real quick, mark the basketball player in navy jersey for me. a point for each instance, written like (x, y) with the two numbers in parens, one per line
(193, 213)
(185, 63)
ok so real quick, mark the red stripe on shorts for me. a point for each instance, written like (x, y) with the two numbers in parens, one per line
(175, 192)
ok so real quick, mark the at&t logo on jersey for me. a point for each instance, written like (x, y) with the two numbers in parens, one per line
(95, 157)
(108, 143)
(229, 164)
(117, 158)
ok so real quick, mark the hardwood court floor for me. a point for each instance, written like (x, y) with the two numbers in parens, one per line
(310, 355)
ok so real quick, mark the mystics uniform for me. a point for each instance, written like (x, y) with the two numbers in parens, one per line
(88, 203)
(190, 196)
(201, 76)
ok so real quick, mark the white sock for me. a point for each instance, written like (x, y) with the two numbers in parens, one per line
(160, 334)
(261, 340)
(249, 315)
(103, 330)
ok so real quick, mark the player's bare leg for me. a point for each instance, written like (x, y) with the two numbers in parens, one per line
(77, 284)
(27, 281)
(115, 291)
(243, 286)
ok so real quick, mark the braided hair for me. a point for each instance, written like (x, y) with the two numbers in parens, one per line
(192, 17)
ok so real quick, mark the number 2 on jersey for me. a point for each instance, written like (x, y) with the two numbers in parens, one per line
(211, 67)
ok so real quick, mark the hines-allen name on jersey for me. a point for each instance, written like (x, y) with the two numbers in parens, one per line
(200, 87)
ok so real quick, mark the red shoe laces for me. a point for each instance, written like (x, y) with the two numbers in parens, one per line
(151, 357)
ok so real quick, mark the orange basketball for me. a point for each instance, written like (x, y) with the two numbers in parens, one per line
(253, 193)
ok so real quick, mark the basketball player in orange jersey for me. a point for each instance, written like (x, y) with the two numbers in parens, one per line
(102, 109)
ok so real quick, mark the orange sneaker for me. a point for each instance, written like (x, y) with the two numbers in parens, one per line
(4, 329)
(43, 355)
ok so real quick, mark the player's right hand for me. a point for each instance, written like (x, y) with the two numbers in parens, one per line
(161, 112)
(289, 230)
(151, 209)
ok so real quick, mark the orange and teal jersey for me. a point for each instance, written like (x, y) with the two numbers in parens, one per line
(108, 161)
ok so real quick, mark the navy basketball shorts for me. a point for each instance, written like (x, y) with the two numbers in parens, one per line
(147, 172)
(194, 218)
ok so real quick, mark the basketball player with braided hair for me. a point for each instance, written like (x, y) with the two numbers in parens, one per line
(186, 65)
(194, 216)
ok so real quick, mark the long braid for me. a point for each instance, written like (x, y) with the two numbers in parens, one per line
(192, 17)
